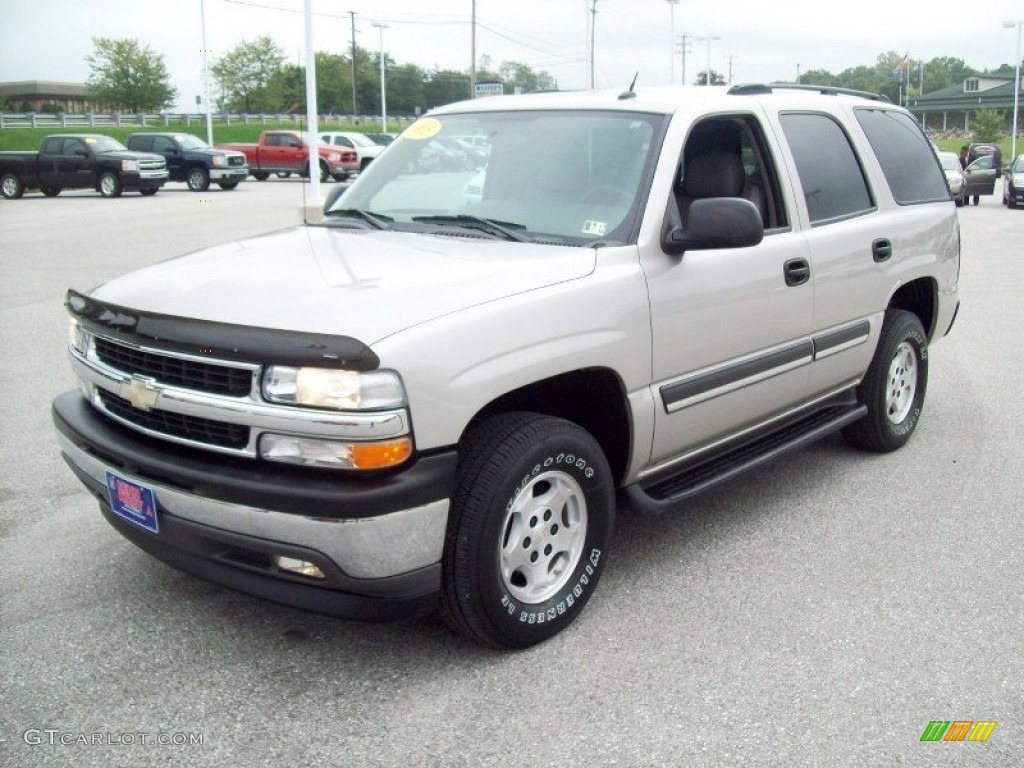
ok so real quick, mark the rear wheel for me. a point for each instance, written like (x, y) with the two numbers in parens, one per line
(149, 192)
(227, 184)
(51, 191)
(260, 175)
(530, 520)
(11, 186)
(109, 185)
(197, 179)
(894, 387)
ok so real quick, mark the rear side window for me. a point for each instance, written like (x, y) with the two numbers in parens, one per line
(907, 160)
(830, 174)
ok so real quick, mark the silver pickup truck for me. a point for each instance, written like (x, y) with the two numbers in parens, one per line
(438, 396)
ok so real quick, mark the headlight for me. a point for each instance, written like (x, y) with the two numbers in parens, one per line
(219, 160)
(333, 388)
(1018, 179)
(334, 157)
(130, 165)
(78, 338)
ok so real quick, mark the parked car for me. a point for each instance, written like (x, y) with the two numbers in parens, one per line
(365, 148)
(1013, 183)
(419, 403)
(980, 177)
(81, 161)
(954, 173)
(285, 152)
(192, 160)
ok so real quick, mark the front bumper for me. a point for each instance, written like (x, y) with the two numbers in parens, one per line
(144, 179)
(231, 173)
(378, 541)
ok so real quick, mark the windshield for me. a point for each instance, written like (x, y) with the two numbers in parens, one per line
(105, 144)
(949, 161)
(360, 140)
(188, 141)
(1018, 164)
(567, 177)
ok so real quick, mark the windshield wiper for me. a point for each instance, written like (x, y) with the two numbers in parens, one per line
(503, 228)
(374, 219)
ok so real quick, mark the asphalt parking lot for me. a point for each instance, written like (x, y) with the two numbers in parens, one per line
(821, 611)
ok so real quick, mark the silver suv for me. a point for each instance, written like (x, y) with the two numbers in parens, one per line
(438, 395)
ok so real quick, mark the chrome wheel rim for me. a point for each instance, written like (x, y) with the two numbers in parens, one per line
(107, 185)
(902, 383)
(10, 186)
(195, 180)
(543, 537)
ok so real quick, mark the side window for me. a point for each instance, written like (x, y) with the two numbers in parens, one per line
(273, 140)
(53, 146)
(830, 174)
(162, 144)
(907, 159)
(72, 145)
(728, 157)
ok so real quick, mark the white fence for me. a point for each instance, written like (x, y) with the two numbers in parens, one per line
(94, 120)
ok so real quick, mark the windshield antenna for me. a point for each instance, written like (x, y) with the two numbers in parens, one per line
(630, 93)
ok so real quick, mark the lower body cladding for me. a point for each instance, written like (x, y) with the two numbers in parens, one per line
(359, 548)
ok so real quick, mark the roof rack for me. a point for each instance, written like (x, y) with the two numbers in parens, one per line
(752, 89)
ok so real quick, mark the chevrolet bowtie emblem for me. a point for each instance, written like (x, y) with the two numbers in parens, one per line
(140, 392)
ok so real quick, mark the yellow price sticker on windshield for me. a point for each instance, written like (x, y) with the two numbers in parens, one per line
(427, 128)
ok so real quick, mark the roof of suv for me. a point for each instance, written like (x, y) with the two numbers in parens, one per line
(664, 100)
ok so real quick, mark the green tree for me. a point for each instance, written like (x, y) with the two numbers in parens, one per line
(127, 75)
(246, 75)
(515, 74)
(988, 125)
(445, 86)
(406, 89)
(716, 78)
(818, 77)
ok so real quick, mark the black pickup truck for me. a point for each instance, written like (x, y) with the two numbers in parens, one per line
(192, 160)
(80, 161)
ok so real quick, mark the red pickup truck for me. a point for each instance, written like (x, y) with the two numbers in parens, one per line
(286, 152)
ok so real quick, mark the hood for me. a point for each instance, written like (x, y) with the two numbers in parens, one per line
(363, 284)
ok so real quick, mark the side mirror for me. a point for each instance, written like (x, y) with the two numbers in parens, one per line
(716, 222)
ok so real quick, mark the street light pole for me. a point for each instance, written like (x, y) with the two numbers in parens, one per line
(1016, 90)
(206, 77)
(672, 40)
(383, 84)
(708, 38)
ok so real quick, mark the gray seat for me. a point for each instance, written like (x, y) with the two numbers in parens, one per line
(712, 173)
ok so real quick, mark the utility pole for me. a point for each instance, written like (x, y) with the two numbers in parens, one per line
(730, 57)
(355, 110)
(672, 40)
(593, 25)
(682, 49)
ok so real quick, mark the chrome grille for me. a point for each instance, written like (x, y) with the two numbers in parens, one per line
(175, 371)
(187, 427)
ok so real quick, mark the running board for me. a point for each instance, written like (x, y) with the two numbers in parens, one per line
(662, 492)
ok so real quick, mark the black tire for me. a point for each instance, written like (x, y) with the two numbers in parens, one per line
(364, 162)
(11, 186)
(50, 191)
(198, 179)
(894, 387)
(261, 175)
(149, 192)
(516, 568)
(227, 185)
(325, 172)
(340, 176)
(109, 185)
(283, 174)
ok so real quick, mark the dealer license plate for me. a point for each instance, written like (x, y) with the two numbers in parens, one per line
(132, 502)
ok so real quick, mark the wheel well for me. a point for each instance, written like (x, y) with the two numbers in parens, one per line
(592, 398)
(917, 296)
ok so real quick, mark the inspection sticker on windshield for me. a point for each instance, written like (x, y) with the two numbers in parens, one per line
(132, 502)
(591, 227)
(427, 128)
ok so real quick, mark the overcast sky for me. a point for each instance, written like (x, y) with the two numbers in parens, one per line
(763, 40)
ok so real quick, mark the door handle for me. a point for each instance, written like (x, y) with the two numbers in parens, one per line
(881, 249)
(796, 271)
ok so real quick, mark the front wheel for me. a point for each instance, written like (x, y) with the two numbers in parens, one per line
(11, 186)
(529, 524)
(51, 191)
(893, 389)
(197, 179)
(109, 185)
(325, 172)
